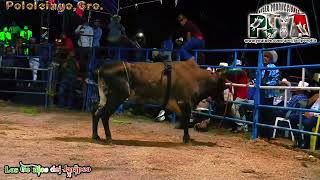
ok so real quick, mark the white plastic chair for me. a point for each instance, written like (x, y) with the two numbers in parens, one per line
(301, 104)
(283, 120)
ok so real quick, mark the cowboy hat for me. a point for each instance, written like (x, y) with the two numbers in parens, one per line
(223, 64)
(272, 55)
(316, 77)
(285, 82)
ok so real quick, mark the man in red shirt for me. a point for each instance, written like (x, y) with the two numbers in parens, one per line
(240, 94)
(67, 42)
(193, 37)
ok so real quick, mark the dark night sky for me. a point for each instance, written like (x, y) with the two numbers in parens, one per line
(224, 24)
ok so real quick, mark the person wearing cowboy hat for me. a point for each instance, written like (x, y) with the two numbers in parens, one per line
(270, 77)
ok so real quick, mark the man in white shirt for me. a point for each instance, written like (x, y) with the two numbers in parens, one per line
(85, 43)
(85, 33)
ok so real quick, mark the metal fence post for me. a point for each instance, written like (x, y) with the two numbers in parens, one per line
(289, 57)
(178, 56)
(119, 54)
(235, 57)
(196, 56)
(147, 55)
(257, 96)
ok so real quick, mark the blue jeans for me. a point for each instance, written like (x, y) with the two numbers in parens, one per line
(309, 123)
(193, 43)
(66, 90)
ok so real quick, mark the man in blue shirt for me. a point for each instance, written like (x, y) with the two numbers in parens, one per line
(97, 33)
(270, 77)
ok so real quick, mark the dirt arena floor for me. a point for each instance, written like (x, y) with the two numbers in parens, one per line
(141, 149)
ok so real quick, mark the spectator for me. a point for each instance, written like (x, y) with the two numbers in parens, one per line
(240, 94)
(15, 31)
(192, 35)
(85, 43)
(201, 122)
(67, 42)
(299, 95)
(19, 46)
(116, 30)
(270, 77)
(25, 34)
(160, 56)
(85, 33)
(97, 33)
(5, 37)
(309, 120)
(69, 74)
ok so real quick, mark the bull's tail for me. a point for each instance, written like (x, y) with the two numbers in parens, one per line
(102, 94)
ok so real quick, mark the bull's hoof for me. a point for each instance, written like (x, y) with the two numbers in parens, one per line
(186, 139)
(96, 139)
(108, 141)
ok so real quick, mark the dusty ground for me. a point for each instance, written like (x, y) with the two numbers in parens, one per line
(142, 150)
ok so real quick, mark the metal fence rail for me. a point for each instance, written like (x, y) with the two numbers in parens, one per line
(48, 70)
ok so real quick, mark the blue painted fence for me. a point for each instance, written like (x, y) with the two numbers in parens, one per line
(257, 105)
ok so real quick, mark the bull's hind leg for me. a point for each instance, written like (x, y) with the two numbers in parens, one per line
(186, 112)
(114, 101)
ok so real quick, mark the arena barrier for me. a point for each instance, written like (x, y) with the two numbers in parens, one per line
(257, 106)
(92, 94)
(29, 74)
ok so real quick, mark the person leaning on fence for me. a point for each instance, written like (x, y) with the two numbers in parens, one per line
(240, 94)
(270, 77)
(69, 74)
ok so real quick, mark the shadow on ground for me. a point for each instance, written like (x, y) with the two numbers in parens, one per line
(136, 142)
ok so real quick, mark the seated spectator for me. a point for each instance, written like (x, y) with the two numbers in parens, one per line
(299, 95)
(69, 74)
(201, 122)
(309, 121)
(281, 94)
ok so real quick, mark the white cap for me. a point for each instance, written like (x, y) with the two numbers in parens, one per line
(209, 69)
(223, 64)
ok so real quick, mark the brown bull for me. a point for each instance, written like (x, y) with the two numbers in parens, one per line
(146, 83)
